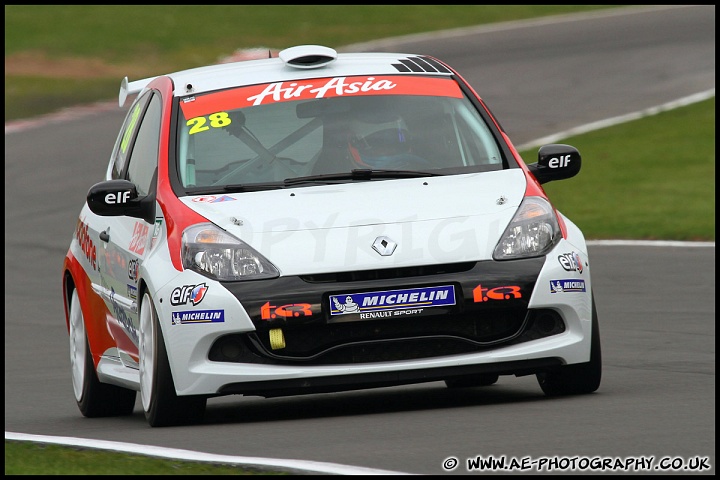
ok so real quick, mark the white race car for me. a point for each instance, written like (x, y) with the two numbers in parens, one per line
(316, 222)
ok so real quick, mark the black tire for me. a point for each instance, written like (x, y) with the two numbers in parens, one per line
(580, 378)
(162, 406)
(94, 399)
(480, 380)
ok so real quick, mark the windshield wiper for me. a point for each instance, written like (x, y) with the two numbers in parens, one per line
(242, 187)
(253, 187)
(355, 174)
(360, 174)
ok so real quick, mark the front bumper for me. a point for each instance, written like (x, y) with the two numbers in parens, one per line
(296, 322)
(292, 339)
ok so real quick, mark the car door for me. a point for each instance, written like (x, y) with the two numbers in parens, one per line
(124, 240)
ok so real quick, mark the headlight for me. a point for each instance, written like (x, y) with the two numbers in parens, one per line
(215, 253)
(532, 232)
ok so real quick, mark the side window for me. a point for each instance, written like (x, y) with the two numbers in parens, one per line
(122, 144)
(144, 154)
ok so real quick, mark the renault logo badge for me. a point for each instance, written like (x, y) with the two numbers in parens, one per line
(384, 246)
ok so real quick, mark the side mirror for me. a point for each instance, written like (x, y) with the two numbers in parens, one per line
(114, 198)
(556, 162)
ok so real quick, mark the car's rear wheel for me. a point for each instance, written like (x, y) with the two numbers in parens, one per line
(579, 378)
(481, 380)
(94, 399)
(162, 406)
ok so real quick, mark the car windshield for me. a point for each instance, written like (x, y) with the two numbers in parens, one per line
(273, 133)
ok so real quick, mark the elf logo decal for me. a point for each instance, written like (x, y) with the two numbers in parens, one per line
(188, 293)
(119, 197)
(559, 162)
(564, 286)
(505, 292)
(268, 312)
(571, 262)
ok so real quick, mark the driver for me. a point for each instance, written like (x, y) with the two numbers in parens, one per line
(385, 145)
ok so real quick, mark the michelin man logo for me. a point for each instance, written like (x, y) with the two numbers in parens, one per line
(348, 307)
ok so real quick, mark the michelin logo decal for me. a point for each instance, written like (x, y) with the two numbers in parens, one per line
(391, 300)
(198, 316)
(564, 286)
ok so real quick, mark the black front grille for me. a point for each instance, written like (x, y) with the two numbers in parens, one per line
(389, 273)
(311, 340)
(380, 341)
(489, 309)
(385, 350)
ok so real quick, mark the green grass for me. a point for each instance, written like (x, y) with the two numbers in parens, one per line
(652, 178)
(27, 96)
(192, 36)
(29, 458)
(142, 41)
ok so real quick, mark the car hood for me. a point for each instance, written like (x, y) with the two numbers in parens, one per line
(332, 228)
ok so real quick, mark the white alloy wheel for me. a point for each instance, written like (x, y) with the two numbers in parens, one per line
(94, 398)
(147, 351)
(160, 401)
(78, 346)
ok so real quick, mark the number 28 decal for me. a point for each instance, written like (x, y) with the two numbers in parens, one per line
(215, 120)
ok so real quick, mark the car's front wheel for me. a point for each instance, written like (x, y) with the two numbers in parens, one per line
(580, 378)
(94, 399)
(162, 406)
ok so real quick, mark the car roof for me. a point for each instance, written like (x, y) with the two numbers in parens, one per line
(294, 63)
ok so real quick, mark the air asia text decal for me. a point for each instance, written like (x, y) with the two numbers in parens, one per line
(318, 88)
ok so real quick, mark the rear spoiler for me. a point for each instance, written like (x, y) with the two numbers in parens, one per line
(131, 88)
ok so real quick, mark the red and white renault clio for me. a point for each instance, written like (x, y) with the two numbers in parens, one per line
(319, 222)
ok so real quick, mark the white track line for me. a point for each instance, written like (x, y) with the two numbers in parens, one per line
(650, 243)
(176, 454)
(609, 122)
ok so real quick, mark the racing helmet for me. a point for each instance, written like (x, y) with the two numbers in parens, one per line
(385, 144)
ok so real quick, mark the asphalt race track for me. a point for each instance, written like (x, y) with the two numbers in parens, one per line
(656, 302)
